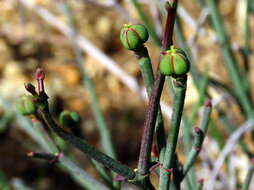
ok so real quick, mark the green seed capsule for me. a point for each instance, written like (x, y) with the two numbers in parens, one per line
(133, 36)
(69, 119)
(174, 63)
(25, 105)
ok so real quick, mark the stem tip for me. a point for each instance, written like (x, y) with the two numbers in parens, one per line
(208, 103)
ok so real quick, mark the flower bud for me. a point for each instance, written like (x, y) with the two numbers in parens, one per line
(133, 36)
(174, 63)
(25, 105)
(69, 119)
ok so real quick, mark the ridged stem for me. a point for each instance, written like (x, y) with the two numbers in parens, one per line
(178, 104)
(199, 136)
(39, 135)
(83, 146)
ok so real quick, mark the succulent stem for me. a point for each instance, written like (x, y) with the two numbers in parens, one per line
(180, 89)
(83, 146)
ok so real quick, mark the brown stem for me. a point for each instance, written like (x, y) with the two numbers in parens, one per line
(149, 125)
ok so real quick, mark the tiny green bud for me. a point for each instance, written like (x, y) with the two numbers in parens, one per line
(69, 119)
(133, 36)
(174, 63)
(25, 105)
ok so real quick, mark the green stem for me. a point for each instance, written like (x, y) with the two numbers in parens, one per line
(83, 146)
(198, 139)
(230, 60)
(249, 176)
(40, 136)
(180, 89)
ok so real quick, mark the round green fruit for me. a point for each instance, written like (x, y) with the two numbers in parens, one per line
(69, 119)
(133, 36)
(174, 63)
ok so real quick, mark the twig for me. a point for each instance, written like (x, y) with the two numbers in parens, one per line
(83, 146)
(46, 144)
(154, 100)
(146, 144)
(198, 138)
(148, 77)
(229, 145)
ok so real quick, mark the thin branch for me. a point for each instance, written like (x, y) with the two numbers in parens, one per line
(35, 130)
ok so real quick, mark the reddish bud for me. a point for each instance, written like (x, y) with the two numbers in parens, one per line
(208, 103)
(30, 88)
(39, 74)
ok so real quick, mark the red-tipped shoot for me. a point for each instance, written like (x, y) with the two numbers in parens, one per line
(30, 88)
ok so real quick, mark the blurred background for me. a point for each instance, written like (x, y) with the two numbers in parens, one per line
(39, 33)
